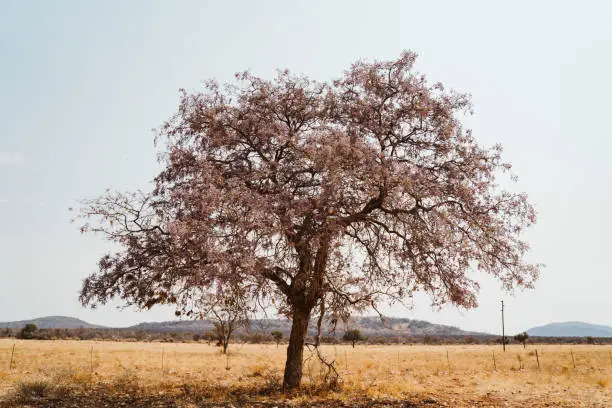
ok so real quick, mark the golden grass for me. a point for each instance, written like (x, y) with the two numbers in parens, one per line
(413, 372)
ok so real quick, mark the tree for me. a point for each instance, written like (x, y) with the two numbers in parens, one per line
(522, 338)
(277, 336)
(314, 198)
(353, 336)
(227, 312)
(28, 331)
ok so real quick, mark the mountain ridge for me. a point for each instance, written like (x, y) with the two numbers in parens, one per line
(571, 329)
(368, 325)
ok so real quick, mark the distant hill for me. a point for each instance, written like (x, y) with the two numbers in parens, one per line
(51, 322)
(369, 326)
(571, 329)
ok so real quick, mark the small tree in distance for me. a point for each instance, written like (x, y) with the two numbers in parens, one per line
(277, 336)
(522, 338)
(315, 198)
(227, 313)
(353, 336)
(28, 331)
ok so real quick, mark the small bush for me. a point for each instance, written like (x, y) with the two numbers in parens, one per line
(329, 340)
(30, 390)
(127, 383)
(272, 382)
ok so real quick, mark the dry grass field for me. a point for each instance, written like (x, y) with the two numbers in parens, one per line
(81, 373)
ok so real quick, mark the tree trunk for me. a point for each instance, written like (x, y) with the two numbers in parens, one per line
(353, 343)
(295, 350)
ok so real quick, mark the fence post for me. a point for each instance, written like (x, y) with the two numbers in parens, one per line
(91, 360)
(537, 358)
(346, 360)
(494, 364)
(573, 361)
(12, 354)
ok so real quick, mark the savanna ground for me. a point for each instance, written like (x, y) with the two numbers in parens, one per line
(130, 374)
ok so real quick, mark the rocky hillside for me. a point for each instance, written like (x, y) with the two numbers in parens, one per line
(368, 325)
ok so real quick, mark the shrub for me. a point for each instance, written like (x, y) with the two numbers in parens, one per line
(28, 331)
(329, 340)
(35, 389)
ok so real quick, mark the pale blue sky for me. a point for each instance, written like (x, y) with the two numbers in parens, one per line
(82, 84)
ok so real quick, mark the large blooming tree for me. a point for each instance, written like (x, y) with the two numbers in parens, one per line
(315, 199)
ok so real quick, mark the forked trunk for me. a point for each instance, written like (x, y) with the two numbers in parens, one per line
(295, 350)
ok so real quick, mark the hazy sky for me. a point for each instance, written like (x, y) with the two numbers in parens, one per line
(82, 84)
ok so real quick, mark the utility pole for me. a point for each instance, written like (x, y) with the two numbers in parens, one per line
(503, 329)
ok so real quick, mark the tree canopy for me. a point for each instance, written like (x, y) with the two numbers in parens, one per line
(314, 198)
(522, 338)
(353, 335)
